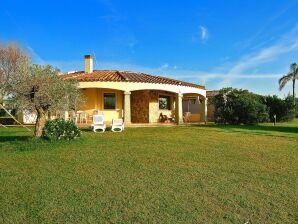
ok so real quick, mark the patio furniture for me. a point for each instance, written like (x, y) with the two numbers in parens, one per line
(96, 112)
(117, 125)
(165, 119)
(98, 123)
(81, 117)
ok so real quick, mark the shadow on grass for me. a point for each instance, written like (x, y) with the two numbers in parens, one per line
(86, 130)
(258, 129)
(14, 138)
(91, 130)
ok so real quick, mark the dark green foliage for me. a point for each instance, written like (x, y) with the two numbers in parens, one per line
(234, 106)
(61, 129)
(13, 112)
(2, 113)
(7, 120)
(237, 106)
(283, 109)
(296, 108)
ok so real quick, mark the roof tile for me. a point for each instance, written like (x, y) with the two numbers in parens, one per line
(125, 76)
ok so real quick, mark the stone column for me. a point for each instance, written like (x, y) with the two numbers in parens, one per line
(127, 113)
(179, 111)
(206, 110)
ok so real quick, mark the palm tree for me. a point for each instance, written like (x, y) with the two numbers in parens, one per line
(292, 75)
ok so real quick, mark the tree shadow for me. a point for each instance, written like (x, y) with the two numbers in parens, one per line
(14, 138)
(257, 129)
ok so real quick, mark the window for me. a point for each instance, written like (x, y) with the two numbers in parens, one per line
(164, 102)
(109, 101)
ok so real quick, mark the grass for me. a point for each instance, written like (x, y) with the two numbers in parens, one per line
(193, 174)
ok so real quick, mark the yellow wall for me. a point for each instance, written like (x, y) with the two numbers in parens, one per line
(154, 110)
(94, 101)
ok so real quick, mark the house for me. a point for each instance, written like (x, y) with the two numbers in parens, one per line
(138, 97)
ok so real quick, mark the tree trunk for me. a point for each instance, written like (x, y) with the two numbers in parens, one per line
(40, 123)
(294, 91)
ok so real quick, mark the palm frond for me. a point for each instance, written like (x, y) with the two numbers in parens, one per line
(294, 70)
(293, 67)
(283, 80)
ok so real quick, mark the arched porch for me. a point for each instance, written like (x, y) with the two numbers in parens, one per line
(143, 103)
(193, 107)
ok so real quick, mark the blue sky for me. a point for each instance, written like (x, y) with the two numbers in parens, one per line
(243, 44)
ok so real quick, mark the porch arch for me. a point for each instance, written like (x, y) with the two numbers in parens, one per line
(134, 86)
(194, 107)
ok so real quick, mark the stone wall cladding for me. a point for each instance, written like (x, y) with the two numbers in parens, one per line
(145, 108)
(140, 106)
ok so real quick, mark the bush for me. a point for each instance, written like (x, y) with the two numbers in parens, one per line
(296, 108)
(61, 129)
(7, 121)
(283, 109)
(2, 113)
(235, 106)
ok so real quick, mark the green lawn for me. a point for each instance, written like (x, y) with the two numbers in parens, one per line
(189, 174)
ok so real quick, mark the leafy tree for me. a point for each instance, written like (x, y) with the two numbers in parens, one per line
(39, 89)
(13, 62)
(291, 76)
(282, 108)
(236, 106)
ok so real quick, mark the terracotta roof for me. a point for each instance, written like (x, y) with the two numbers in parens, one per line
(125, 76)
(212, 93)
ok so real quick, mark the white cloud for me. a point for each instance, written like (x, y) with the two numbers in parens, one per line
(286, 44)
(164, 66)
(232, 73)
(36, 58)
(204, 34)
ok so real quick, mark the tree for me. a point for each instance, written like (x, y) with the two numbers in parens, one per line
(283, 109)
(13, 61)
(291, 76)
(234, 106)
(40, 89)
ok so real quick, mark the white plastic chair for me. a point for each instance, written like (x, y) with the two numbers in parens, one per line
(83, 118)
(98, 123)
(117, 125)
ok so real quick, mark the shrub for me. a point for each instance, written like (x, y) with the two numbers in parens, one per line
(2, 113)
(7, 121)
(235, 106)
(283, 109)
(296, 108)
(61, 129)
